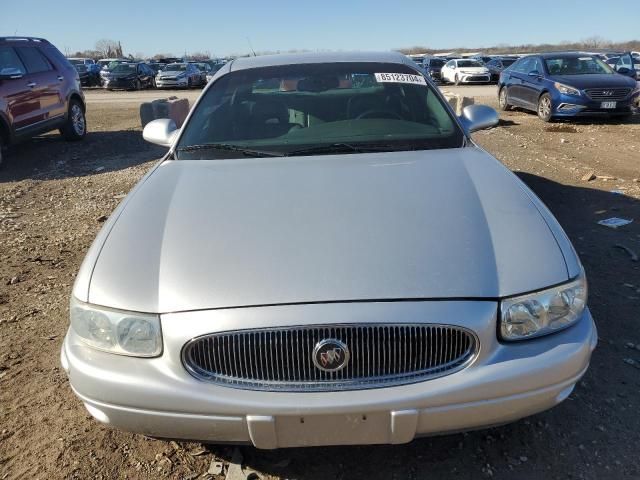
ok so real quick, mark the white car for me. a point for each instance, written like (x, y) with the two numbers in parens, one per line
(465, 71)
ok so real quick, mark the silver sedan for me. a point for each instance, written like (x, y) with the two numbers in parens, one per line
(325, 257)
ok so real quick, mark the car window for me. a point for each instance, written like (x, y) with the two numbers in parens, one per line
(469, 63)
(34, 60)
(574, 65)
(524, 65)
(9, 59)
(535, 66)
(287, 108)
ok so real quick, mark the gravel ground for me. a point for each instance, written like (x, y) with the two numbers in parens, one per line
(54, 195)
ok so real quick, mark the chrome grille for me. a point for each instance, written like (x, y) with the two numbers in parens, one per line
(607, 94)
(281, 359)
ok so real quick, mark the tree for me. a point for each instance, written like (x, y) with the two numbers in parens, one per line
(109, 48)
(199, 56)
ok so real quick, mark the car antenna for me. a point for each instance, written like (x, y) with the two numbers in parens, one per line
(250, 46)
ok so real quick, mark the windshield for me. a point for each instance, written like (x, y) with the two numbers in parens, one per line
(123, 68)
(315, 107)
(176, 67)
(577, 66)
(468, 63)
(507, 62)
(436, 63)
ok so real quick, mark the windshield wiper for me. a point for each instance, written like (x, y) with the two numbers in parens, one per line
(343, 148)
(249, 152)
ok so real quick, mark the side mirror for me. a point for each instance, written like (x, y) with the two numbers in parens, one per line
(161, 132)
(535, 73)
(11, 73)
(478, 117)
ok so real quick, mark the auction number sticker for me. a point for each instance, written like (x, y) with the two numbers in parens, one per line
(400, 78)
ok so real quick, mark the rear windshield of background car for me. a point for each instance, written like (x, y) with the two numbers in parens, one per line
(436, 63)
(468, 63)
(577, 66)
(293, 107)
(176, 67)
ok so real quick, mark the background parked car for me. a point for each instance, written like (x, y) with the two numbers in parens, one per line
(93, 69)
(39, 91)
(628, 65)
(204, 68)
(156, 66)
(566, 85)
(433, 67)
(465, 71)
(497, 65)
(129, 76)
(180, 75)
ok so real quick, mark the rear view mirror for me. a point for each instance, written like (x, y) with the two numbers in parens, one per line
(11, 73)
(478, 117)
(161, 132)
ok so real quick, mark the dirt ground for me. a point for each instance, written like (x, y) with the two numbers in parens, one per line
(54, 195)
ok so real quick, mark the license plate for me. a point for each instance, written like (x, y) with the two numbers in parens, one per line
(608, 105)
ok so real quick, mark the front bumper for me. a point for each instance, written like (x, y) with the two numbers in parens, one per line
(582, 106)
(157, 397)
(165, 83)
(475, 78)
(118, 83)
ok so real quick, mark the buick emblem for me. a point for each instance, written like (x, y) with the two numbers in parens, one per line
(331, 355)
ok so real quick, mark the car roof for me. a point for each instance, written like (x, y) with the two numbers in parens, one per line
(565, 54)
(245, 63)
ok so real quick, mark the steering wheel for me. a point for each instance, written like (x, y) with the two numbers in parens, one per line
(379, 114)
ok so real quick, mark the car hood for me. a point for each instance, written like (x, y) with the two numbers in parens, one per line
(405, 225)
(594, 81)
(122, 75)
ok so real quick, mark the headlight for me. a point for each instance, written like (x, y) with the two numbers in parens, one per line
(117, 331)
(543, 312)
(566, 90)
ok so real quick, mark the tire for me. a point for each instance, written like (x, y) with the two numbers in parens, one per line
(138, 85)
(456, 80)
(153, 83)
(189, 83)
(75, 126)
(545, 107)
(502, 100)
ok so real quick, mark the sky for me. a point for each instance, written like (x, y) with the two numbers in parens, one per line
(224, 28)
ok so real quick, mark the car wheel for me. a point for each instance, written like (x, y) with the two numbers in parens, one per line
(153, 83)
(457, 80)
(502, 99)
(75, 127)
(189, 83)
(545, 107)
(138, 85)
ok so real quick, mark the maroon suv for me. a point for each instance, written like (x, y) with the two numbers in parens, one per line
(39, 92)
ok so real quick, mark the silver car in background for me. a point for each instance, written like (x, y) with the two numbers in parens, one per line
(179, 75)
(325, 257)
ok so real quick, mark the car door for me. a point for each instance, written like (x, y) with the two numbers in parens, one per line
(21, 105)
(517, 73)
(532, 82)
(45, 82)
(625, 65)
